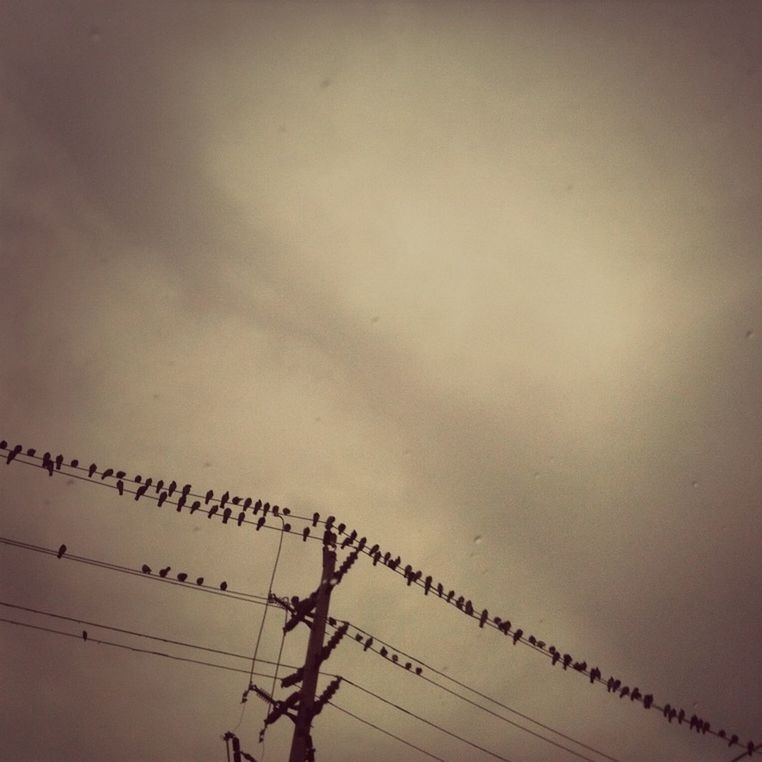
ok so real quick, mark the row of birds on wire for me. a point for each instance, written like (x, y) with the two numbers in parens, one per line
(227, 504)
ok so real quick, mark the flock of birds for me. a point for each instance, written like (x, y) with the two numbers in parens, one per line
(226, 505)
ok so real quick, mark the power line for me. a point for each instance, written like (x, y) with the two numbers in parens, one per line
(385, 732)
(428, 722)
(201, 662)
(518, 635)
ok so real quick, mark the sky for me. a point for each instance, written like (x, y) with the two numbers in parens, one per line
(481, 280)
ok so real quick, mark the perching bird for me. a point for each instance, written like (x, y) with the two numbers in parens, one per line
(329, 522)
(146, 569)
(459, 602)
(182, 576)
(236, 500)
(556, 657)
(384, 652)
(120, 487)
(648, 700)
(368, 644)
(224, 499)
(483, 618)
(84, 635)
(287, 527)
(200, 581)
(226, 514)
(258, 505)
(469, 608)
(106, 473)
(681, 716)
(30, 452)
(305, 533)
(635, 694)
(163, 572)
(733, 740)
(265, 509)
(276, 510)
(74, 463)
(212, 511)
(246, 503)
(93, 468)
(13, 453)
(59, 462)
(260, 522)
(172, 487)
(427, 584)
(140, 491)
(241, 517)
(418, 670)
(580, 666)
(186, 489)
(181, 502)
(208, 497)
(595, 674)
(517, 637)
(286, 511)
(626, 689)
(532, 640)
(61, 551)
(162, 498)
(341, 527)
(223, 586)
(196, 505)
(541, 644)
(120, 474)
(159, 486)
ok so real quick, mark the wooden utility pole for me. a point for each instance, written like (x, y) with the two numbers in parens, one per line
(312, 660)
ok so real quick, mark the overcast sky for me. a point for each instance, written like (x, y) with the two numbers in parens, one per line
(483, 280)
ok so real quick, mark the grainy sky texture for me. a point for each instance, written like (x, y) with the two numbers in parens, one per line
(483, 280)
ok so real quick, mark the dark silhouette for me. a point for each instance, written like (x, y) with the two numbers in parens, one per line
(212, 511)
(93, 468)
(182, 576)
(107, 472)
(61, 551)
(226, 515)
(209, 496)
(241, 517)
(162, 498)
(172, 487)
(163, 572)
(120, 487)
(200, 581)
(84, 635)
(146, 569)
(13, 453)
(223, 586)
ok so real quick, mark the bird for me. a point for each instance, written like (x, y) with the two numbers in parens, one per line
(483, 618)
(172, 487)
(146, 569)
(580, 666)
(74, 463)
(459, 602)
(212, 511)
(680, 716)
(329, 522)
(106, 473)
(541, 644)
(182, 576)
(120, 474)
(13, 453)
(196, 505)
(120, 487)
(159, 486)
(208, 497)
(517, 637)
(140, 491)
(59, 462)
(556, 657)
(236, 500)
(84, 635)
(30, 452)
(635, 694)
(148, 482)
(200, 581)
(224, 499)
(93, 468)
(276, 510)
(3, 444)
(626, 689)
(648, 700)
(418, 670)
(223, 586)
(241, 517)
(384, 652)
(226, 515)
(258, 505)
(341, 527)
(532, 639)
(61, 551)
(305, 533)
(265, 509)
(733, 740)
(163, 572)
(260, 522)
(595, 674)
(246, 503)
(287, 527)
(427, 584)
(181, 502)
(162, 498)
(469, 608)
(186, 489)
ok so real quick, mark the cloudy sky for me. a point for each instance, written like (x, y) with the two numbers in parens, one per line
(481, 280)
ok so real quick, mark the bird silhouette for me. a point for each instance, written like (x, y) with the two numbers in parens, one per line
(93, 468)
(241, 517)
(595, 674)
(212, 511)
(224, 499)
(483, 617)
(84, 635)
(186, 489)
(469, 608)
(181, 502)
(226, 514)
(246, 503)
(305, 533)
(260, 522)
(427, 584)
(200, 581)
(733, 740)
(517, 637)
(680, 716)
(172, 487)
(120, 474)
(265, 509)
(648, 700)
(120, 487)
(196, 505)
(556, 657)
(287, 527)
(61, 551)
(30, 452)
(163, 572)
(580, 666)
(626, 689)
(223, 586)
(635, 694)
(182, 576)
(258, 505)
(329, 522)
(162, 498)
(459, 602)
(159, 486)
(106, 473)
(368, 644)
(13, 453)
(59, 462)
(384, 652)
(541, 644)
(140, 491)
(146, 569)
(208, 497)
(74, 463)
(236, 500)
(3, 444)
(341, 527)
(285, 511)
(148, 482)
(276, 510)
